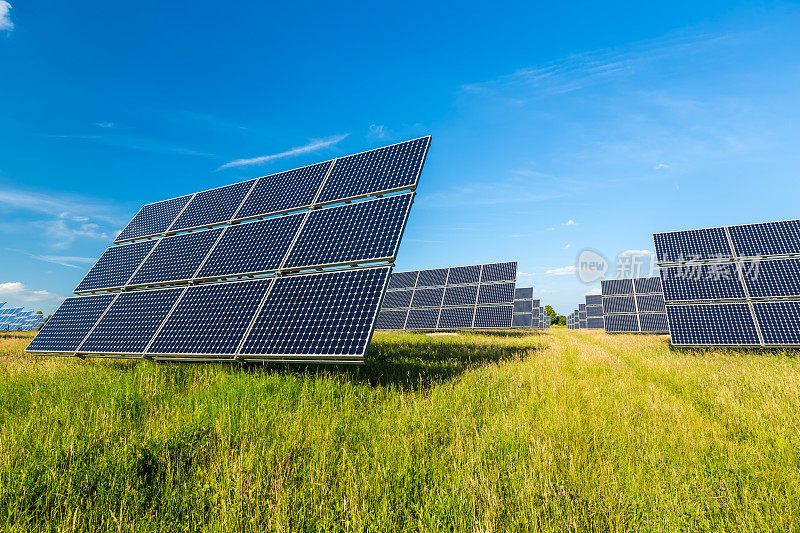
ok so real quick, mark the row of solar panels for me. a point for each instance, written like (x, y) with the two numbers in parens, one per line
(361, 232)
(458, 295)
(477, 317)
(462, 275)
(16, 319)
(392, 168)
(528, 312)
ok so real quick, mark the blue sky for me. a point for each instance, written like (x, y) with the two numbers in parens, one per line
(555, 128)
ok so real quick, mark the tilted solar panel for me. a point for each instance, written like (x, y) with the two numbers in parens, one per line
(284, 191)
(650, 303)
(772, 278)
(175, 258)
(523, 320)
(212, 207)
(498, 316)
(654, 322)
(403, 280)
(647, 285)
(616, 286)
(496, 293)
(428, 297)
(769, 238)
(582, 307)
(460, 295)
(692, 245)
(153, 219)
(422, 318)
(523, 293)
(621, 323)
(779, 322)
(391, 319)
(729, 324)
(465, 274)
(397, 299)
(499, 272)
(456, 317)
(115, 266)
(713, 281)
(594, 299)
(68, 326)
(594, 322)
(594, 311)
(536, 303)
(436, 277)
(523, 306)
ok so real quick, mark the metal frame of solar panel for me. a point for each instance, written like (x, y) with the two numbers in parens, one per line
(451, 298)
(235, 273)
(732, 285)
(633, 305)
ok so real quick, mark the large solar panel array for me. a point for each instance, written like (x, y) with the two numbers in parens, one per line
(467, 297)
(634, 305)
(733, 285)
(526, 314)
(286, 267)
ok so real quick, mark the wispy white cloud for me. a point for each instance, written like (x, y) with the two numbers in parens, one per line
(567, 246)
(635, 253)
(661, 166)
(63, 260)
(596, 290)
(570, 222)
(15, 289)
(63, 233)
(5, 16)
(313, 146)
(104, 124)
(63, 206)
(562, 271)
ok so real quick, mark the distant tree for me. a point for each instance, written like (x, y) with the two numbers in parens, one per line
(562, 320)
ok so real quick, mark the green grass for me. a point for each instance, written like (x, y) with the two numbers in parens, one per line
(555, 431)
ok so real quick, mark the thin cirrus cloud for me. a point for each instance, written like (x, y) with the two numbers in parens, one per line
(63, 260)
(313, 146)
(19, 291)
(5, 16)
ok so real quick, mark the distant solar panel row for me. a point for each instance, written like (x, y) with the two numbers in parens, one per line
(594, 311)
(734, 285)
(527, 312)
(633, 306)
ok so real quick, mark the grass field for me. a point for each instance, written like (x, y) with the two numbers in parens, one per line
(555, 431)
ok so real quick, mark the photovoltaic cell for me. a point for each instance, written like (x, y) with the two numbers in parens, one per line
(594, 299)
(422, 319)
(536, 303)
(252, 247)
(523, 306)
(654, 322)
(621, 323)
(495, 316)
(460, 295)
(616, 286)
(456, 317)
(391, 319)
(773, 278)
(779, 322)
(153, 219)
(115, 266)
(397, 299)
(581, 307)
(692, 245)
(770, 238)
(212, 207)
(70, 323)
(619, 304)
(714, 281)
(284, 191)
(524, 320)
(427, 297)
(523, 293)
(651, 303)
(712, 325)
(647, 285)
(210, 320)
(349, 233)
(465, 274)
(403, 280)
(496, 293)
(130, 322)
(499, 272)
(390, 168)
(318, 315)
(594, 322)
(432, 278)
(594, 311)
(176, 258)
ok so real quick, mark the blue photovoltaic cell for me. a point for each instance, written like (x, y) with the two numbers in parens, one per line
(499, 272)
(779, 322)
(252, 247)
(212, 207)
(329, 315)
(581, 307)
(210, 319)
(460, 295)
(619, 304)
(432, 278)
(612, 287)
(496, 293)
(692, 245)
(465, 274)
(130, 322)
(536, 303)
(594, 311)
(391, 319)
(422, 319)
(523, 306)
(621, 323)
(176, 258)
(427, 297)
(714, 324)
(594, 299)
(594, 322)
(654, 322)
(115, 266)
(349, 233)
(772, 278)
(522, 320)
(397, 299)
(647, 285)
(153, 219)
(390, 168)
(284, 191)
(523, 293)
(403, 280)
(456, 318)
(651, 303)
(714, 281)
(495, 316)
(771, 238)
(70, 323)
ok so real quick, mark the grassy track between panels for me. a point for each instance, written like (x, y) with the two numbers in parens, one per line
(554, 431)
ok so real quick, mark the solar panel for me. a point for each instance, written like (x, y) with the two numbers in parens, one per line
(650, 303)
(692, 245)
(212, 207)
(728, 324)
(779, 322)
(130, 322)
(428, 297)
(175, 258)
(392, 319)
(153, 219)
(523, 306)
(594, 299)
(594, 322)
(523, 320)
(284, 191)
(616, 286)
(498, 316)
(252, 248)
(523, 293)
(499, 272)
(436, 277)
(391, 168)
(621, 323)
(654, 322)
(456, 317)
(465, 274)
(772, 278)
(422, 318)
(318, 316)
(460, 295)
(362, 231)
(713, 281)
(496, 293)
(70, 323)
(767, 239)
(403, 280)
(536, 303)
(115, 267)
(397, 299)
(648, 285)
(593, 311)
